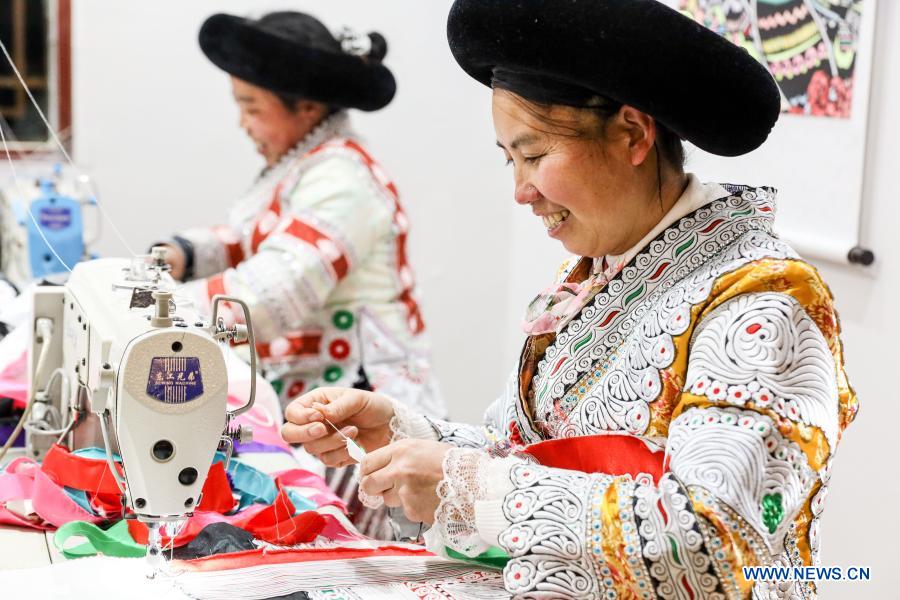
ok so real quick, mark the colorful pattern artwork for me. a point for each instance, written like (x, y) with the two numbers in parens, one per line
(809, 46)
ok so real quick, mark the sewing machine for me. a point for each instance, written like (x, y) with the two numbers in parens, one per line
(117, 349)
(59, 204)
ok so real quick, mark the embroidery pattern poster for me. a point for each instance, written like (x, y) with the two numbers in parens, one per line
(809, 46)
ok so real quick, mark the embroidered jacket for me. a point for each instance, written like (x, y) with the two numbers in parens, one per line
(318, 250)
(717, 349)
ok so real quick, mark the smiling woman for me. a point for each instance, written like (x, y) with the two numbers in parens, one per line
(681, 392)
(273, 122)
(599, 182)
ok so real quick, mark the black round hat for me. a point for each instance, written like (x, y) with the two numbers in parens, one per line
(637, 52)
(294, 53)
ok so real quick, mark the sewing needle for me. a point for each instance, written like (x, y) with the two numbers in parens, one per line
(355, 450)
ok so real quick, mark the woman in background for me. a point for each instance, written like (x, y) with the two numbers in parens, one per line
(317, 246)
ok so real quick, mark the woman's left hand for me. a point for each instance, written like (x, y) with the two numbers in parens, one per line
(406, 473)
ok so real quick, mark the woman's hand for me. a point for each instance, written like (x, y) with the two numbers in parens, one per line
(362, 416)
(406, 473)
(176, 259)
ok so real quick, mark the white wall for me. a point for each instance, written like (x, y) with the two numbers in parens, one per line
(861, 526)
(155, 126)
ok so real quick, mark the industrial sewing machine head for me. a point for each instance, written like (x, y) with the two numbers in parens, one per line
(52, 206)
(117, 347)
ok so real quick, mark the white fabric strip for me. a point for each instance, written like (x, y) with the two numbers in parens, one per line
(267, 581)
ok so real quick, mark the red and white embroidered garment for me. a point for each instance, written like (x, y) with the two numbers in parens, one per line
(318, 250)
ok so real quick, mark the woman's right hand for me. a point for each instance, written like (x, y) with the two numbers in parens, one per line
(362, 416)
(176, 259)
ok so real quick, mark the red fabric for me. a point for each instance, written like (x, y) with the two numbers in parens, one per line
(263, 556)
(215, 286)
(88, 474)
(232, 244)
(276, 524)
(94, 477)
(335, 530)
(611, 454)
(108, 505)
(259, 234)
(216, 495)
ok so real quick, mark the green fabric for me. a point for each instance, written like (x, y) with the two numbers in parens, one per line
(115, 541)
(493, 557)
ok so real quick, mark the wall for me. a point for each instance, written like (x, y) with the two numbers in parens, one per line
(860, 527)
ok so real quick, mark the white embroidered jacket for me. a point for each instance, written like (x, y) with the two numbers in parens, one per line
(716, 348)
(318, 251)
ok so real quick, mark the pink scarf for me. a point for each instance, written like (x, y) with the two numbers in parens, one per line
(553, 308)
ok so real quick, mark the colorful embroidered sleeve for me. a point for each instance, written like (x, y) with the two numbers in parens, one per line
(333, 221)
(749, 447)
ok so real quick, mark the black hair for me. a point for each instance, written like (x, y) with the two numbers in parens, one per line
(668, 145)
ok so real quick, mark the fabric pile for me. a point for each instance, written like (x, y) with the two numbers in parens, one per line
(267, 523)
(76, 492)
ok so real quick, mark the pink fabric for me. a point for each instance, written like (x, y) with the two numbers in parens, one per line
(14, 381)
(302, 478)
(335, 531)
(54, 505)
(556, 305)
(18, 486)
(328, 500)
(264, 417)
(22, 480)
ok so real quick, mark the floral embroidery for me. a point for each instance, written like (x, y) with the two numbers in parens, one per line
(765, 346)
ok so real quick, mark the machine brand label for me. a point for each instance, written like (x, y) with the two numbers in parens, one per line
(175, 380)
(55, 218)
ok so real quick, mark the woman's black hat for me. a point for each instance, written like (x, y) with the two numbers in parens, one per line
(637, 52)
(293, 53)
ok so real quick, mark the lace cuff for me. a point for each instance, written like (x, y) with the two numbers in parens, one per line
(407, 424)
(465, 482)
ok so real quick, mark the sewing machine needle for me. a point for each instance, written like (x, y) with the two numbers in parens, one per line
(154, 556)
